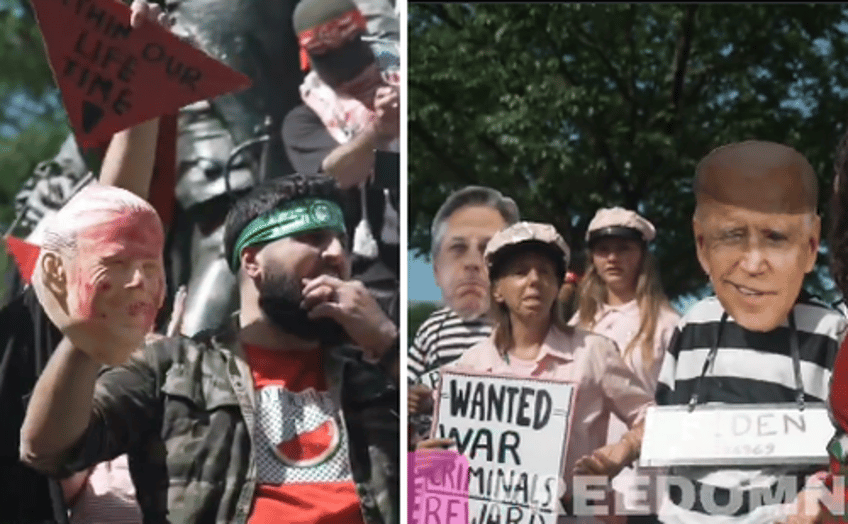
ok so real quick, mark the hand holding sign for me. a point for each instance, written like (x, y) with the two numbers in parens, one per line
(806, 509)
(498, 423)
(609, 460)
(141, 11)
(419, 399)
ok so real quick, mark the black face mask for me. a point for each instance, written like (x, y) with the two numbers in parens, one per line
(279, 299)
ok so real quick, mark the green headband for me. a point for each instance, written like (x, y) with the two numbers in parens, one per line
(300, 216)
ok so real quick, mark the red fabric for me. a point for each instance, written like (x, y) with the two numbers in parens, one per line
(25, 255)
(834, 470)
(331, 35)
(839, 387)
(838, 400)
(304, 60)
(327, 503)
(321, 502)
(294, 370)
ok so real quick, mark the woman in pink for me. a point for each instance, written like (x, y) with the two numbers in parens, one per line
(527, 264)
(621, 298)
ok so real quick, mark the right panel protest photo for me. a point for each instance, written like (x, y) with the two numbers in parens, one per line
(627, 255)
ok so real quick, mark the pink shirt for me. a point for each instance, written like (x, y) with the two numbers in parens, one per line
(109, 496)
(605, 383)
(621, 323)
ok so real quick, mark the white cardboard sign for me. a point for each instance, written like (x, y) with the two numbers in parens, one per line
(736, 434)
(513, 431)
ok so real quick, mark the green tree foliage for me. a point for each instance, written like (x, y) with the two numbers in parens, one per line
(33, 122)
(417, 313)
(572, 107)
(22, 57)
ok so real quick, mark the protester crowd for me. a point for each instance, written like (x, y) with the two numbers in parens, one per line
(760, 340)
(269, 392)
(268, 389)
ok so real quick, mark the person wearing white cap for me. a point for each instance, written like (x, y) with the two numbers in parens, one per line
(527, 264)
(621, 297)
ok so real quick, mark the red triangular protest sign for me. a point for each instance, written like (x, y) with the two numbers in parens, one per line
(113, 76)
(25, 255)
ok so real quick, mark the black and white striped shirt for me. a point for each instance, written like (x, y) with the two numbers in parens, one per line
(749, 368)
(441, 339)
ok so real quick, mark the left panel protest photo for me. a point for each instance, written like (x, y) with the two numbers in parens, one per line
(200, 315)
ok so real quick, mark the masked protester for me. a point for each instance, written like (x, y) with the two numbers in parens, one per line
(289, 413)
(348, 126)
(756, 234)
(461, 228)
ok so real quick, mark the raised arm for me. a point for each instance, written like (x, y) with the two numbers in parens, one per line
(352, 163)
(129, 160)
(60, 408)
(76, 418)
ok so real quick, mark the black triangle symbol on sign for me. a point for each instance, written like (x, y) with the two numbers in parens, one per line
(91, 115)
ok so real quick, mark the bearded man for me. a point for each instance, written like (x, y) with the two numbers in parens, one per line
(288, 415)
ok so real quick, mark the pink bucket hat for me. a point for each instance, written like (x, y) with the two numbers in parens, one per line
(619, 222)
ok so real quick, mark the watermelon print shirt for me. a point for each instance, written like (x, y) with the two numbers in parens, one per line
(302, 460)
(183, 410)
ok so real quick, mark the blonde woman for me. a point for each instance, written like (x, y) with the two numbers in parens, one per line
(621, 298)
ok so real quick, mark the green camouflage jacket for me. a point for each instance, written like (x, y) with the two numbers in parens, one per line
(183, 410)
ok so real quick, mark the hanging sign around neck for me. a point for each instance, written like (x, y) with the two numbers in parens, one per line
(736, 435)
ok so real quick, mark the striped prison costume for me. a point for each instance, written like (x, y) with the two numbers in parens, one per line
(749, 368)
(441, 339)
